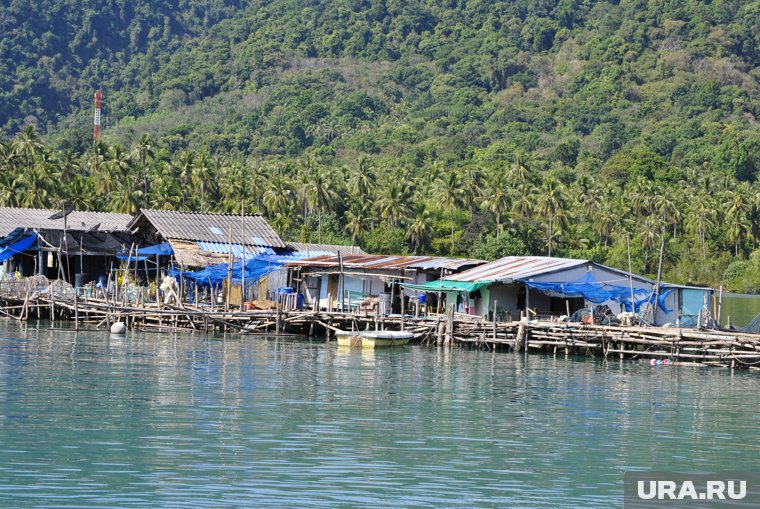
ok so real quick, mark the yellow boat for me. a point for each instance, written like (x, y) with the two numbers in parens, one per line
(373, 339)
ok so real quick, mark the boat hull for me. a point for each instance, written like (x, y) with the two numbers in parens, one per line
(373, 339)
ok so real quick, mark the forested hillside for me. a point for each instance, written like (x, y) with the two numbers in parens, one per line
(470, 127)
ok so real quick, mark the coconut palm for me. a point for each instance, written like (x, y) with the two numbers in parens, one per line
(356, 222)
(472, 190)
(28, 146)
(279, 196)
(362, 181)
(497, 199)
(551, 205)
(450, 193)
(202, 175)
(420, 228)
(393, 201)
(320, 194)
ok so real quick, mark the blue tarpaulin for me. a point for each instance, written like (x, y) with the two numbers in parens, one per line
(255, 269)
(17, 247)
(143, 253)
(164, 249)
(596, 292)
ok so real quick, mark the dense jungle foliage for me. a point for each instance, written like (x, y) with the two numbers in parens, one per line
(475, 128)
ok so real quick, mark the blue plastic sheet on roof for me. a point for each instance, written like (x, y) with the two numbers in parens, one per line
(17, 247)
(164, 249)
(596, 292)
(255, 269)
(143, 253)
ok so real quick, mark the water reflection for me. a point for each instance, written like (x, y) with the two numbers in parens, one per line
(152, 420)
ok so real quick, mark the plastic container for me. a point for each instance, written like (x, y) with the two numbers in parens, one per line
(80, 278)
(421, 298)
(299, 301)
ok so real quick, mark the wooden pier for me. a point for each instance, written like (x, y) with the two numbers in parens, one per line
(37, 299)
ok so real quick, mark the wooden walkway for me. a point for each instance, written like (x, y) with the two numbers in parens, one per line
(26, 299)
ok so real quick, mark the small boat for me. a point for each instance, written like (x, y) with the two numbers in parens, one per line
(373, 339)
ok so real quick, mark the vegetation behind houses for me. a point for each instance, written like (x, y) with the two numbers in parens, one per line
(456, 128)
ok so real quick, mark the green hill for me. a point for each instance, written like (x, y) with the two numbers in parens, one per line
(419, 79)
(604, 100)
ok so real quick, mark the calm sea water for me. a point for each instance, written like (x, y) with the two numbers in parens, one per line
(151, 420)
(741, 309)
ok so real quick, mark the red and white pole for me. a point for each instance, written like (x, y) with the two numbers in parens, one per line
(96, 123)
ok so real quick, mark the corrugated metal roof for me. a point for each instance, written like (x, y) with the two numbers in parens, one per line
(12, 218)
(311, 250)
(386, 262)
(445, 263)
(237, 249)
(515, 267)
(211, 227)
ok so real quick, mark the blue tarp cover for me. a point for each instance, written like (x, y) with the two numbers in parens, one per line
(17, 247)
(142, 253)
(596, 292)
(164, 249)
(255, 269)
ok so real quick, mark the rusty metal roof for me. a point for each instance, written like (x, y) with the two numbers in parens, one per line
(516, 267)
(39, 219)
(210, 227)
(387, 262)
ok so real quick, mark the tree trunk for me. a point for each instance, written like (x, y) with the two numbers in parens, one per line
(451, 219)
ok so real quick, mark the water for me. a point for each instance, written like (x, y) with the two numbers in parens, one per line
(155, 420)
(740, 307)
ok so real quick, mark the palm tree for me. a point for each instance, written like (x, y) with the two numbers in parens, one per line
(450, 195)
(551, 205)
(356, 222)
(128, 200)
(143, 152)
(419, 230)
(737, 204)
(279, 196)
(520, 171)
(473, 187)
(81, 193)
(202, 175)
(320, 194)
(700, 218)
(393, 201)
(362, 182)
(522, 205)
(34, 189)
(497, 196)
(649, 231)
(184, 165)
(28, 145)
(98, 156)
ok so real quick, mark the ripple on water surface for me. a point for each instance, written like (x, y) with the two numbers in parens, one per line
(155, 420)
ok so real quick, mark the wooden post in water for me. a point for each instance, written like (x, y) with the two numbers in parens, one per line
(277, 313)
(449, 325)
(527, 301)
(720, 305)
(520, 338)
(76, 310)
(341, 284)
(493, 334)
(229, 273)
(403, 309)
(158, 283)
